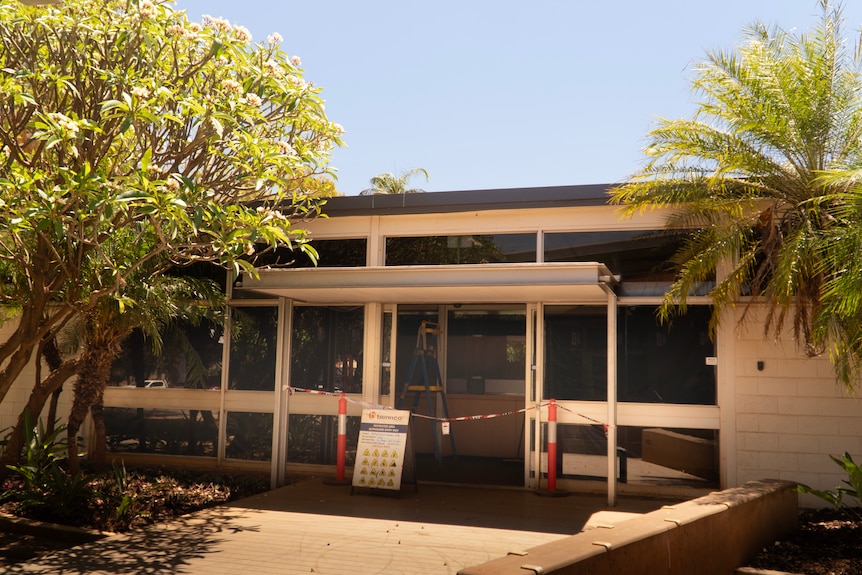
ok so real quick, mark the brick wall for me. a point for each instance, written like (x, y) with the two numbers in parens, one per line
(791, 415)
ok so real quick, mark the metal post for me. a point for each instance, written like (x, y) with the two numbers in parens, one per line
(342, 438)
(552, 445)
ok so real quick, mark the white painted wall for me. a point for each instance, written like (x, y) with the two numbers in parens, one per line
(16, 399)
(790, 416)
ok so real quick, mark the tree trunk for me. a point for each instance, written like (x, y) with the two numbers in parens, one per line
(90, 386)
(49, 351)
(38, 396)
(100, 441)
(34, 325)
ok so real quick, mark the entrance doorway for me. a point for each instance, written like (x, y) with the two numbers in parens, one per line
(482, 362)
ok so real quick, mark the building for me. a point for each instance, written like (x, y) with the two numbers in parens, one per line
(527, 295)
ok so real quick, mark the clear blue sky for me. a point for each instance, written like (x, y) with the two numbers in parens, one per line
(503, 94)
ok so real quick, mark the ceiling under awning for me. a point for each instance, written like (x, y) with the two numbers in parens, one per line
(473, 283)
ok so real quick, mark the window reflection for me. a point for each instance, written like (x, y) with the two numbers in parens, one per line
(472, 249)
(666, 456)
(576, 353)
(486, 352)
(347, 253)
(163, 431)
(254, 340)
(190, 357)
(313, 439)
(326, 352)
(248, 436)
(641, 257)
(665, 363)
(655, 363)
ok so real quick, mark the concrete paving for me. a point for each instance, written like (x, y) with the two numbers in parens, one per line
(313, 527)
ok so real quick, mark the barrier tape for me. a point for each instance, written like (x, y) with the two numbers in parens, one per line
(475, 417)
(365, 404)
(369, 405)
(596, 421)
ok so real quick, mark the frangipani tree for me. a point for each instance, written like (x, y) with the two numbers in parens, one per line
(766, 173)
(125, 115)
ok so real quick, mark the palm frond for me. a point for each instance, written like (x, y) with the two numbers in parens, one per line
(768, 175)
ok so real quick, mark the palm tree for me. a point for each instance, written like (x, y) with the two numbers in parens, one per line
(762, 173)
(389, 183)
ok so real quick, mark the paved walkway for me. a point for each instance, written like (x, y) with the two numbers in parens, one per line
(311, 527)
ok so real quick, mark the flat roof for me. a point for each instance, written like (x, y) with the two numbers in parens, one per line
(468, 200)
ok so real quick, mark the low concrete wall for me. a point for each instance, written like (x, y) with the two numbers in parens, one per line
(74, 535)
(711, 535)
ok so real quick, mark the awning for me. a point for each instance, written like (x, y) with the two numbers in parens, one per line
(484, 283)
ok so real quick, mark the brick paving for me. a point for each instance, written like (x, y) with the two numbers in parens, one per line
(311, 527)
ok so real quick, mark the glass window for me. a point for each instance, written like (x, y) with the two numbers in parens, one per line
(348, 253)
(486, 352)
(664, 456)
(582, 451)
(249, 436)
(385, 353)
(409, 320)
(342, 253)
(655, 363)
(576, 353)
(163, 431)
(254, 340)
(191, 357)
(313, 439)
(326, 352)
(665, 363)
(474, 249)
(641, 257)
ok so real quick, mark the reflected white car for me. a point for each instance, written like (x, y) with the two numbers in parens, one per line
(155, 383)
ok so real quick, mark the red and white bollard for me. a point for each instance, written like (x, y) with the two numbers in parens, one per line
(552, 445)
(342, 438)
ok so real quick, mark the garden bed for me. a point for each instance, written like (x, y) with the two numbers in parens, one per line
(828, 542)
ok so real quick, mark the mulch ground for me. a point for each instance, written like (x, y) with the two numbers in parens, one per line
(828, 543)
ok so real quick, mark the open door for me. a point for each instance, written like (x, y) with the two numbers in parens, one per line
(482, 360)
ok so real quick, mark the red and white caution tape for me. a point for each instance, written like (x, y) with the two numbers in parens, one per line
(474, 417)
(369, 405)
(596, 421)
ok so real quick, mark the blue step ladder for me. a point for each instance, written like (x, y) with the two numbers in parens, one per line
(425, 357)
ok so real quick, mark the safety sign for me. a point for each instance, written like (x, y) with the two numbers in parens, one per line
(380, 449)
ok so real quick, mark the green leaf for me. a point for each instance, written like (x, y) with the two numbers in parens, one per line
(110, 105)
(217, 126)
(146, 159)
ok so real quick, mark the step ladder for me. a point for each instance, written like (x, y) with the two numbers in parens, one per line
(431, 385)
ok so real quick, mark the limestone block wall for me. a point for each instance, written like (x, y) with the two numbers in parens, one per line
(16, 399)
(789, 413)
